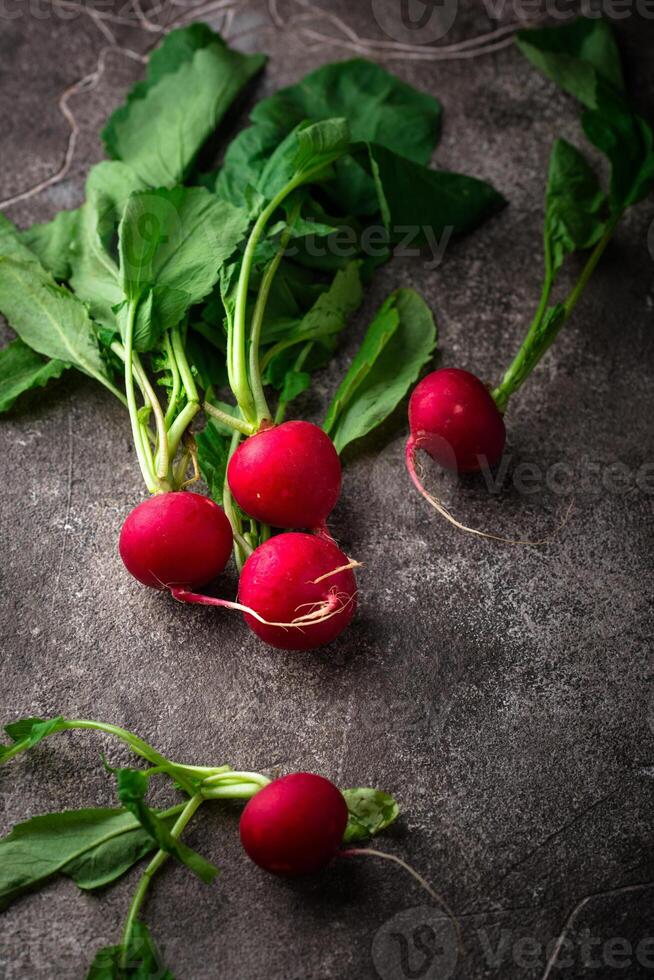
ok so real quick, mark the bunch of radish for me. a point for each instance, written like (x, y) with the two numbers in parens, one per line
(297, 590)
(171, 287)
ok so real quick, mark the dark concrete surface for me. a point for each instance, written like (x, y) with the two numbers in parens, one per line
(502, 694)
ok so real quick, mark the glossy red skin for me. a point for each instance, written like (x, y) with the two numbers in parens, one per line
(277, 582)
(288, 476)
(295, 825)
(178, 538)
(453, 417)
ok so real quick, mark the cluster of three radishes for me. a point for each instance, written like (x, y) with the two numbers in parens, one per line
(297, 590)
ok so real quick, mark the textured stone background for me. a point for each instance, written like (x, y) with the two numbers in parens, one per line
(500, 693)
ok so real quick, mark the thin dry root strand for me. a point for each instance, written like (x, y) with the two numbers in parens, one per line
(444, 512)
(341, 568)
(363, 851)
(192, 450)
(326, 609)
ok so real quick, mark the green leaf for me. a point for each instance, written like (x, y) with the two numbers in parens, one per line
(327, 316)
(369, 812)
(132, 785)
(306, 153)
(143, 959)
(429, 202)
(46, 316)
(398, 343)
(22, 369)
(574, 56)
(583, 59)
(213, 452)
(245, 158)
(295, 382)
(165, 123)
(28, 732)
(92, 846)
(52, 242)
(172, 244)
(378, 108)
(574, 203)
(176, 49)
(627, 140)
(208, 362)
(95, 275)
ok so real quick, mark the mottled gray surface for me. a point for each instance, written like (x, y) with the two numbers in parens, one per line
(501, 693)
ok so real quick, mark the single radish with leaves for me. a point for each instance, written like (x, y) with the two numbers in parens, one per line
(453, 415)
(291, 825)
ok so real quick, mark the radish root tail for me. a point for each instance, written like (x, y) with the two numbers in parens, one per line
(410, 456)
(333, 605)
(371, 852)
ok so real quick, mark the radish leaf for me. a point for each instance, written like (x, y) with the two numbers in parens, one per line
(95, 276)
(575, 56)
(22, 369)
(574, 203)
(582, 58)
(132, 785)
(160, 131)
(92, 846)
(398, 343)
(176, 49)
(52, 243)
(413, 196)
(141, 960)
(172, 244)
(369, 812)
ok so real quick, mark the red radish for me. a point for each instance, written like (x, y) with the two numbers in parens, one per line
(297, 576)
(176, 539)
(453, 417)
(286, 475)
(297, 591)
(294, 825)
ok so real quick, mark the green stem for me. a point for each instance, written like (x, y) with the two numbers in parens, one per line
(141, 446)
(235, 776)
(572, 299)
(161, 456)
(240, 425)
(186, 375)
(241, 547)
(112, 388)
(160, 858)
(280, 414)
(256, 382)
(540, 338)
(239, 373)
(238, 791)
(180, 425)
(177, 383)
